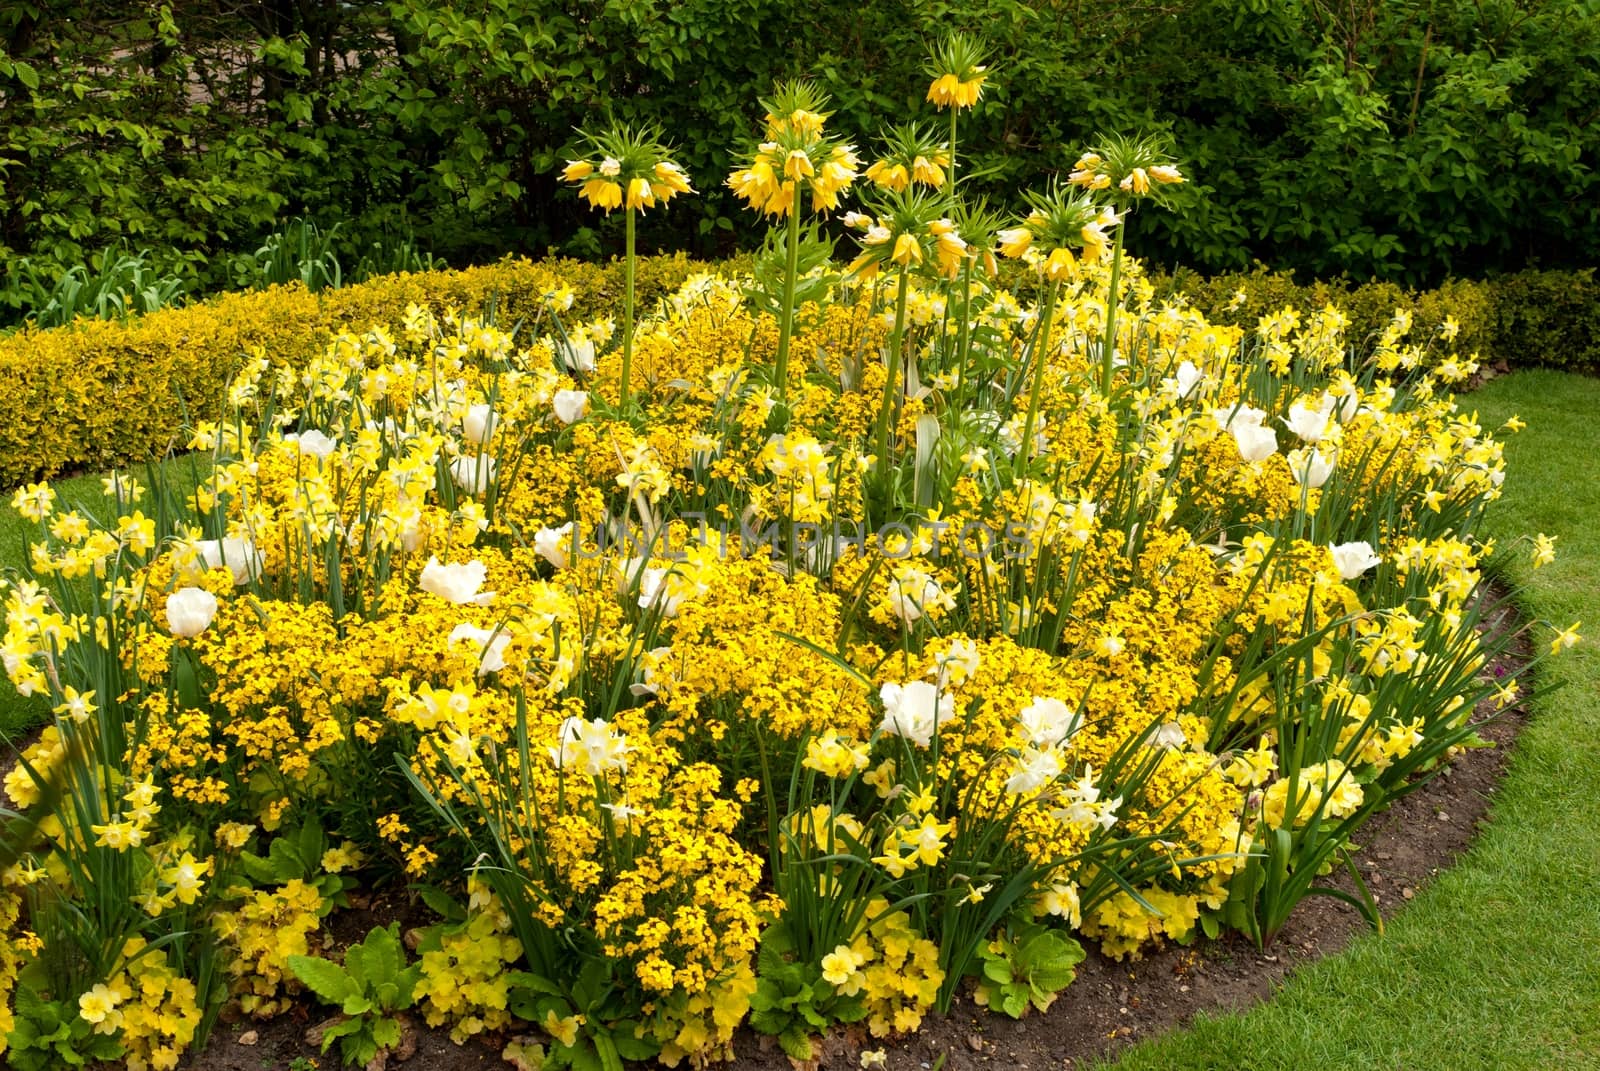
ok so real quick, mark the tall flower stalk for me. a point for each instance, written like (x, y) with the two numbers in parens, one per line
(910, 234)
(1130, 169)
(958, 73)
(629, 168)
(795, 157)
(1059, 222)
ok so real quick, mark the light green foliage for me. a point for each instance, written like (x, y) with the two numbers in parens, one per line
(50, 1034)
(1027, 966)
(792, 1000)
(369, 989)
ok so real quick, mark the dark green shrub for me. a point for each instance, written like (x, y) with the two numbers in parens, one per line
(1549, 318)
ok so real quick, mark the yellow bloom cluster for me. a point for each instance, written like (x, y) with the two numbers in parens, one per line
(260, 935)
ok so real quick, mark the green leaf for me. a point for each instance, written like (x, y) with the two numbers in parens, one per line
(630, 1046)
(769, 1020)
(386, 1033)
(1049, 959)
(330, 982)
(441, 903)
(998, 971)
(796, 1043)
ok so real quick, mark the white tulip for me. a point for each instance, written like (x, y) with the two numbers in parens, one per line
(1310, 424)
(480, 424)
(190, 611)
(915, 710)
(1311, 467)
(313, 443)
(1169, 736)
(1353, 559)
(490, 645)
(570, 405)
(551, 544)
(1048, 721)
(239, 555)
(580, 355)
(1187, 379)
(457, 583)
(1256, 442)
(1231, 418)
(1034, 770)
(473, 474)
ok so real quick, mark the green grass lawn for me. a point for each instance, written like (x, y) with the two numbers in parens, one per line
(1497, 964)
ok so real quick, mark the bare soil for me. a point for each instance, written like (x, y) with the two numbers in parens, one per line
(1110, 1006)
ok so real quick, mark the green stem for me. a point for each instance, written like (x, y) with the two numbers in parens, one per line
(952, 154)
(627, 312)
(1108, 347)
(891, 375)
(1039, 358)
(964, 339)
(786, 313)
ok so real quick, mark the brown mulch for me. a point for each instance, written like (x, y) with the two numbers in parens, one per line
(1110, 1006)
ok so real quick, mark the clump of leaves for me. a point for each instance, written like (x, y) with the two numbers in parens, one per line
(1028, 964)
(792, 1000)
(370, 989)
(51, 1034)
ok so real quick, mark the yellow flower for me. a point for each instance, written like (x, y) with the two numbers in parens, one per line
(99, 1006)
(639, 194)
(563, 1028)
(949, 91)
(577, 171)
(797, 165)
(832, 757)
(1566, 640)
(890, 176)
(602, 193)
(840, 964)
(1014, 241)
(1136, 182)
(907, 250)
(120, 835)
(1544, 550)
(79, 706)
(34, 501)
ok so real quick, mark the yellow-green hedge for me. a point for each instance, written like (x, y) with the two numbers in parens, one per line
(100, 394)
(1549, 318)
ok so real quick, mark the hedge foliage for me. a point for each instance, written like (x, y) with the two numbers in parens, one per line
(100, 394)
(1548, 318)
(1408, 139)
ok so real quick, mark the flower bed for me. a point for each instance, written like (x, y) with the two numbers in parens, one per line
(817, 647)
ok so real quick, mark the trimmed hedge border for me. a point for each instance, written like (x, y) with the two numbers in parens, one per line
(100, 394)
(1544, 318)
